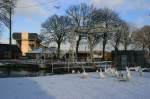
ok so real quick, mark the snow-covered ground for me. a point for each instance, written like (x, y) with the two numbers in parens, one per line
(73, 86)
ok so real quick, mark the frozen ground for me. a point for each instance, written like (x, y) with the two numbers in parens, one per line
(72, 86)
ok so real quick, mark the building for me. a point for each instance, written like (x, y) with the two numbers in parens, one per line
(46, 53)
(98, 54)
(26, 41)
(129, 58)
(9, 51)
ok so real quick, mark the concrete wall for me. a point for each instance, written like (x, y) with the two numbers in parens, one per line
(24, 43)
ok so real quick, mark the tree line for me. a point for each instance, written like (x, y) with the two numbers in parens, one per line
(83, 15)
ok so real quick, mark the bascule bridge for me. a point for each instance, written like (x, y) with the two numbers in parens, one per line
(89, 33)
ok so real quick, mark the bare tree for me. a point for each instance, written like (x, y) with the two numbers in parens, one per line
(54, 30)
(146, 30)
(107, 18)
(6, 11)
(139, 39)
(126, 37)
(116, 36)
(123, 35)
(142, 37)
(80, 15)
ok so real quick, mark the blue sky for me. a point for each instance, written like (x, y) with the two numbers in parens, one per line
(29, 14)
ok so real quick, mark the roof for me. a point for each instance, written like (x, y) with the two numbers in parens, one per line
(44, 50)
(7, 47)
(32, 36)
(39, 50)
(51, 50)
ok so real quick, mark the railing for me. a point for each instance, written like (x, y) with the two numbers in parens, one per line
(59, 64)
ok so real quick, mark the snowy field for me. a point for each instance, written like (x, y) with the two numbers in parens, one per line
(73, 86)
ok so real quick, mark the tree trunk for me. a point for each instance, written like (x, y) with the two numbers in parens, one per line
(125, 46)
(104, 45)
(77, 45)
(117, 41)
(58, 50)
(149, 48)
(116, 45)
(149, 51)
(116, 48)
(143, 47)
(103, 57)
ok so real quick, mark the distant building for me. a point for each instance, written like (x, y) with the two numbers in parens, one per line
(97, 55)
(26, 41)
(9, 51)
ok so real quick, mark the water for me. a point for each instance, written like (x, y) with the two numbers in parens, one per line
(23, 73)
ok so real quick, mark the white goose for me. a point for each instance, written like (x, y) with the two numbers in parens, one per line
(85, 75)
(73, 71)
(112, 71)
(140, 71)
(97, 71)
(128, 73)
(116, 73)
(101, 74)
(78, 72)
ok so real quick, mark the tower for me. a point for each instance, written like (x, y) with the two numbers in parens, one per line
(26, 41)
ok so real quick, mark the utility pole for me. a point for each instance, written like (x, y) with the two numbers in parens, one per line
(10, 28)
(10, 22)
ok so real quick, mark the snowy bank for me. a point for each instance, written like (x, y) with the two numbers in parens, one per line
(73, 86)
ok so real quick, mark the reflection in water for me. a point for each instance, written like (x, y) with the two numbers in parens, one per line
(23, 73)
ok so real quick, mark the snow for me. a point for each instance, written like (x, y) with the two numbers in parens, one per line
(73, 86)
(1, 64)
